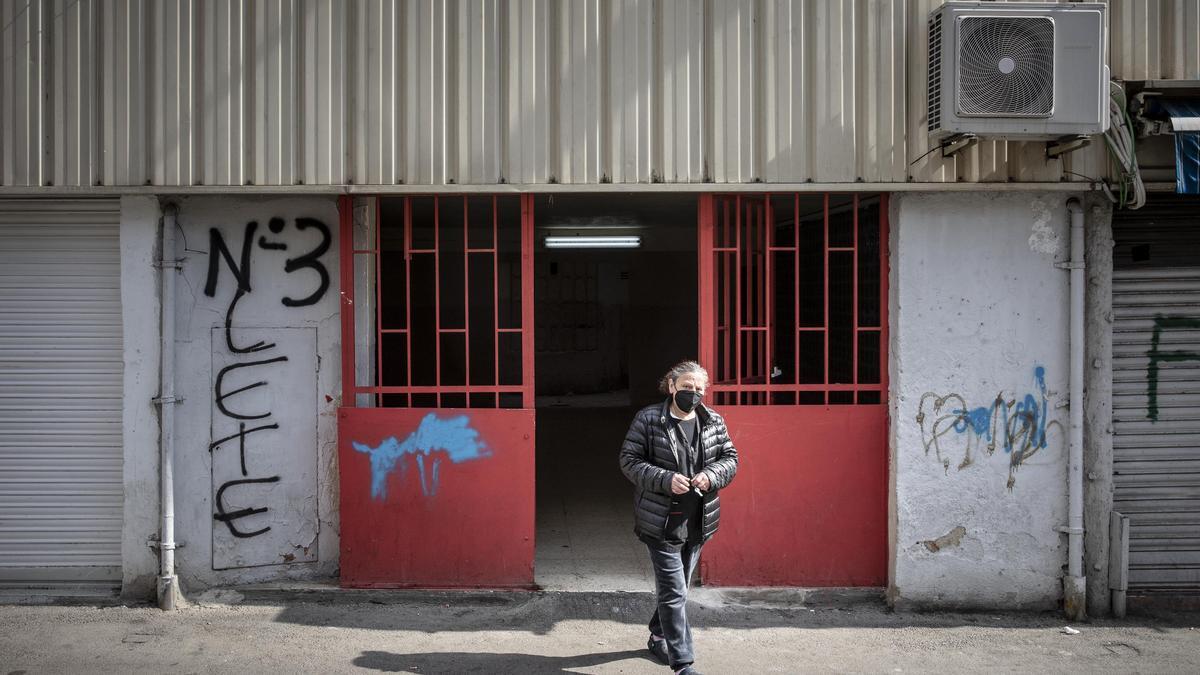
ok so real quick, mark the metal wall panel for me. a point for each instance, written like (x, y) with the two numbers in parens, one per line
(382, 92)
(1156, 391)
(1154, 39)
(1156, 420)
(61, 483)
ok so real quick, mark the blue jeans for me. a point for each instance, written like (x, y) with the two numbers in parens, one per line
(672, 575)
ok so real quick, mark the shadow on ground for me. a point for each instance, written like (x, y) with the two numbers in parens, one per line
(539, 612)
(467, 662)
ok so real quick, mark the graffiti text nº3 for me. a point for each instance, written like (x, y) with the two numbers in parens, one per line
(219, 250)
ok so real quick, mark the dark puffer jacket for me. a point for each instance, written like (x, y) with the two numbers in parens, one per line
(648, 458)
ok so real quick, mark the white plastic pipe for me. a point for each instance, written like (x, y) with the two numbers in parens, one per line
(168, 265)
(1074, 590)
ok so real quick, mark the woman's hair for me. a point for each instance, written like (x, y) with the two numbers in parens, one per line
(679, 370)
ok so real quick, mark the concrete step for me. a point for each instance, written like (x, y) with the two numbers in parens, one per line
(575, 601)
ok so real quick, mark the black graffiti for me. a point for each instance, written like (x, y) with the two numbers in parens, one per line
(228, 517)
(240, 267)
(276, 226)
(256, 347)
(241, 272)
(241, 435)
(219, 395)
(311, 260)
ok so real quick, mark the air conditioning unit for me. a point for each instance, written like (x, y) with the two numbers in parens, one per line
(1019, 70)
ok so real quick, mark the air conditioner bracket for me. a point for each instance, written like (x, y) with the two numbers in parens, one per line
(1066, 144)
(957, 143)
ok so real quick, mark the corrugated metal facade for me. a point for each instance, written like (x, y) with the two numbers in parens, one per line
(289, 92)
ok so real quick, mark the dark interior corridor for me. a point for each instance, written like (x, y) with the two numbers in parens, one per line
(609, 323)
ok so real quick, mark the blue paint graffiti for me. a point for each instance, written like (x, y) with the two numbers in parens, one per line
(453, 436)
(1019, 426)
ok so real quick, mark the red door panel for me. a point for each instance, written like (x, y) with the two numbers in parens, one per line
(436, 448)
(436, 497)
(809, 504)
(793, 330)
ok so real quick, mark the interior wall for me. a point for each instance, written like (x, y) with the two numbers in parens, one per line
(663, 321)
(659, 322)
(581, 301)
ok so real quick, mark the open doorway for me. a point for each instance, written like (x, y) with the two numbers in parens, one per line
(609, 322)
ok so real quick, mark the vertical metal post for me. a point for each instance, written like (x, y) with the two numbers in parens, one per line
(727, 360)
(883, 295)
(527, 300)
(167, 586)
(437, 300)
(346, 292)
(706, 282)
(760, 311)
(854, 302)
(495, 299)
(737, 296)
(796, 283)
(378, 254)
(768, 293)
(825, 331)
(466, 228)
(408, 295)
(1118, 561)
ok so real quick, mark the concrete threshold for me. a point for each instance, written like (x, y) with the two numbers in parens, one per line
(706, 596)
(83, 595)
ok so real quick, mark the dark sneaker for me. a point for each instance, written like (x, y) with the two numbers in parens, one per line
(687, 670)
(659, 649)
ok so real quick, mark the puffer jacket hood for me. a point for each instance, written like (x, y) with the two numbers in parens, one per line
(649, 459)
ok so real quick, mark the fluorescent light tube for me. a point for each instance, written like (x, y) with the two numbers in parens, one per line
(593, 242)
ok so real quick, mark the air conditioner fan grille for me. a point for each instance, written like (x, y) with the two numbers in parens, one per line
(1006, 66)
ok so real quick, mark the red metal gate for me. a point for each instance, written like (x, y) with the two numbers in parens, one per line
(436, 428)
(793, 326)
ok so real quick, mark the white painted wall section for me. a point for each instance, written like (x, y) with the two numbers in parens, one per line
(256, 457)
(979, 388)
(140, 317)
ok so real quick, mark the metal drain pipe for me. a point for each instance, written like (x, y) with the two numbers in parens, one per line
(169, 596)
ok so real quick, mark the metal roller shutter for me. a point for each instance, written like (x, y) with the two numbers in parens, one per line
(1156, 396)
(60, 393)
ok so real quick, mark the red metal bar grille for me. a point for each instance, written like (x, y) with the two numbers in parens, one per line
(451, 283)
(793, 298)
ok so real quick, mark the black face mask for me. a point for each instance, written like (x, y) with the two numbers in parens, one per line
(687, 400)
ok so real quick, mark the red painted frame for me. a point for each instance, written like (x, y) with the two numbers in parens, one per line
(809, 504)
(409, 535)
(348, 253)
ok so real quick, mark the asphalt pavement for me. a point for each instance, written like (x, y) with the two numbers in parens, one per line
(272, 631)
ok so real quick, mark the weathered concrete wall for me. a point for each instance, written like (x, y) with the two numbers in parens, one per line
(1097, 412)
(140, 319)
(256, 472)
(979, 341)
